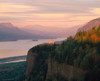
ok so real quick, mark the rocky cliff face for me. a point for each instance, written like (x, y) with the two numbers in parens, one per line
(30, 62)
(53, 68)
(93, 23)
(63, 69)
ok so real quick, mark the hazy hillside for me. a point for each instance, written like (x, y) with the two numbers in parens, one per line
(93, 23)
(53, 32)
(10, 32)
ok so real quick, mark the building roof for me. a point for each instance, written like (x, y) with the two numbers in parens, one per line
(51, 42)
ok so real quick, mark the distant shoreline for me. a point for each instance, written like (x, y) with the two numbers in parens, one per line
(7, 40)
(12, 59)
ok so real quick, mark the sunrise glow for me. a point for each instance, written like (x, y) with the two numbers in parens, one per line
(47, 13)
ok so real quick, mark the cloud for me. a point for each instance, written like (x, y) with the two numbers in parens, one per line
(49, 12)
(59, 6)
(11, 7)
(52, 6)
(96, 11)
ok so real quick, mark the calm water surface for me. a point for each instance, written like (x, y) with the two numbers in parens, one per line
(20, 47)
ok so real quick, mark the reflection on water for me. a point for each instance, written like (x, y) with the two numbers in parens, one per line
(12, 52)
(20, 47)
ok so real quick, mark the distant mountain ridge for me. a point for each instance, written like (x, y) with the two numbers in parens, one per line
(8, 32)
(9, 25)
(50, 31)
(93, 23)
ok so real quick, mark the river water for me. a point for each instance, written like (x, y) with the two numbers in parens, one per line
(20, 47)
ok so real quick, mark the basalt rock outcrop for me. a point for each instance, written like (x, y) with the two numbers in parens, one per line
(30, 63)
(53, 68)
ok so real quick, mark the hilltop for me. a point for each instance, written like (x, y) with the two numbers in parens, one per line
(9, 32)
(93, 23)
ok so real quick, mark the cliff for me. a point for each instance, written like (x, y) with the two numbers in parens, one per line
(69, 61)
(30, 62)
(65, 70)
(54, 67)
(75, 59)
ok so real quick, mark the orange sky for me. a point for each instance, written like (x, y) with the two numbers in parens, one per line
(58, 13)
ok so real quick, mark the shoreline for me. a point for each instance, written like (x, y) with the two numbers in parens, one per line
(13, 59)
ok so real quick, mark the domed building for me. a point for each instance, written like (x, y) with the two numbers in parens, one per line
(51, 42)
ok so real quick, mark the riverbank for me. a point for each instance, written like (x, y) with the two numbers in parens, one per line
(12, 59)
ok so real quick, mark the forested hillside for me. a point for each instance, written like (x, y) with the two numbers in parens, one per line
(90, 36)
(81, 53)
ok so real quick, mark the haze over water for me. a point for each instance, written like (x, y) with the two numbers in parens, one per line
(20, 47)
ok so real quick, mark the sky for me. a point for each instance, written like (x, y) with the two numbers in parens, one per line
(56, 13)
